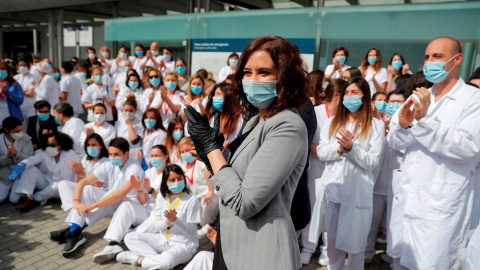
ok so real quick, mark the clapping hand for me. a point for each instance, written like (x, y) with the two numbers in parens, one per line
(171, 216)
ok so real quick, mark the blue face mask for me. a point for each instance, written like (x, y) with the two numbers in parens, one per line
(116, 161)
(56, 75)
(154, 81)
(393, 107)
(43, 116)
(133, 85)
(181, 70)
(380, 105)
(57, 122)
(139, 54)
(122, 55)
(166, 57)
(187, 157)
(352, 103)
(157, 163)
(217, 103)
(149, 123)
(93, 151)
(176, 187)
(105, 54)
(130, 114)
(126, 69)
(3, 74)
(177, 134)
(233, 62)
(341, 59)
(372, 60)
(435, 72)
(196, 89)
(171, 86)
(397, 64)
(260, 93)
(97, 78)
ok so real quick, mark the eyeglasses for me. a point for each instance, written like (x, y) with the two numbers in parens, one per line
(151, 77)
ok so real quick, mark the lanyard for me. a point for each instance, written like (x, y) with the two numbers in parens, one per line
(165, 105)
(146, 137)
(326, 109)
(190, 179)
(174, 208)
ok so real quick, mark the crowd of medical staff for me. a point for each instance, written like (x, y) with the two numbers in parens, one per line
(109, 137)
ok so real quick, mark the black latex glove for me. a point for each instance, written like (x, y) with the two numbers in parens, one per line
(205, 138)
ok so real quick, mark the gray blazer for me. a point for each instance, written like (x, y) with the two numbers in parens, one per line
(256, 195)
(24, 150)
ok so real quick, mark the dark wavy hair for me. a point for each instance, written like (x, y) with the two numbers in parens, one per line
(291, 78)
(103, 150)
(231, 110)
(64, 140)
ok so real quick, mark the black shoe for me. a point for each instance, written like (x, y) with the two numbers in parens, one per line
(59, 235)
(72, 242)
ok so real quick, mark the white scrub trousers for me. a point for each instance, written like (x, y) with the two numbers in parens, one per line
(336, 257)
(202, 261)
(31, 179)
(158, 255)
(66, 189)
(127, 214)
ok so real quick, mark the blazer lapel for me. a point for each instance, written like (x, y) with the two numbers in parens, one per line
(247, 140)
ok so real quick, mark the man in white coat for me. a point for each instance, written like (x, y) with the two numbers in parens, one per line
(433, 190)
(70, 125)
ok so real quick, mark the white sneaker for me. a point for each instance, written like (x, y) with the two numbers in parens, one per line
(128, 257)
(323, 260)
(386, 258)
(108, 253)
(203, 230)
(305, 257)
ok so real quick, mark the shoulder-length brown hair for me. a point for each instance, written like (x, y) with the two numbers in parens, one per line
(231, 110)
(363, 120)
(291, 78)
(169, 140)
(146, 82)
(192, 96)
(377, 65)
(314, 88)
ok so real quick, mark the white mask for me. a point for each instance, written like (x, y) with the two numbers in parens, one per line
(23, 70)
(99, 118)
(51, 151)
(91, 56)
(16, 136)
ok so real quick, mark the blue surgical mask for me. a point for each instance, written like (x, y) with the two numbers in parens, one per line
(154, 81)
(93, 151)
(97, 78)
(195, 89)
(181, 70)
(57, 122)
(116, 161)
(130, 114)
(177, 134)
(155, 52)
(397, 64)
(43, 116)
(126, 69)
(176, 187)
(56, 75)
(171, 85)
(133, 85)
(157, 163)
(187, 157)
(84, 74)
(149, 123)
(341, 59)
(139, 53)
(105, 54)
(260, 93)
(380, 105)
(435, 72)
(352, 103)
(372, 60)
(393, 107)
(233, 62)
(217, 103)
(166, 57)
(122, 55)
(3, 74)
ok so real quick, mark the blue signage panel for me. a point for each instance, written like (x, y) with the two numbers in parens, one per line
(306, 45)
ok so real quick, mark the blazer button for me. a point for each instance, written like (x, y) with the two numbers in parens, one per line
(217, 188)
(223, 203)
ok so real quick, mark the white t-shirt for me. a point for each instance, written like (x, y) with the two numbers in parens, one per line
(95, 93)
(122, 131)
(155, 182)
(26, 82)
(89, 167)
(114, 178)
(73, 87)
(169, 67)
(165, 110)
(150, 140)
(335, 75)
(106, 131)
(381, 76)
(48, 90)
(74, 128)
(136, 65)
(196, 178)
(188, 210)
(81, 78)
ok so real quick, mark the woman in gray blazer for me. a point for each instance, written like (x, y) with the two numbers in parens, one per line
(256, 186)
